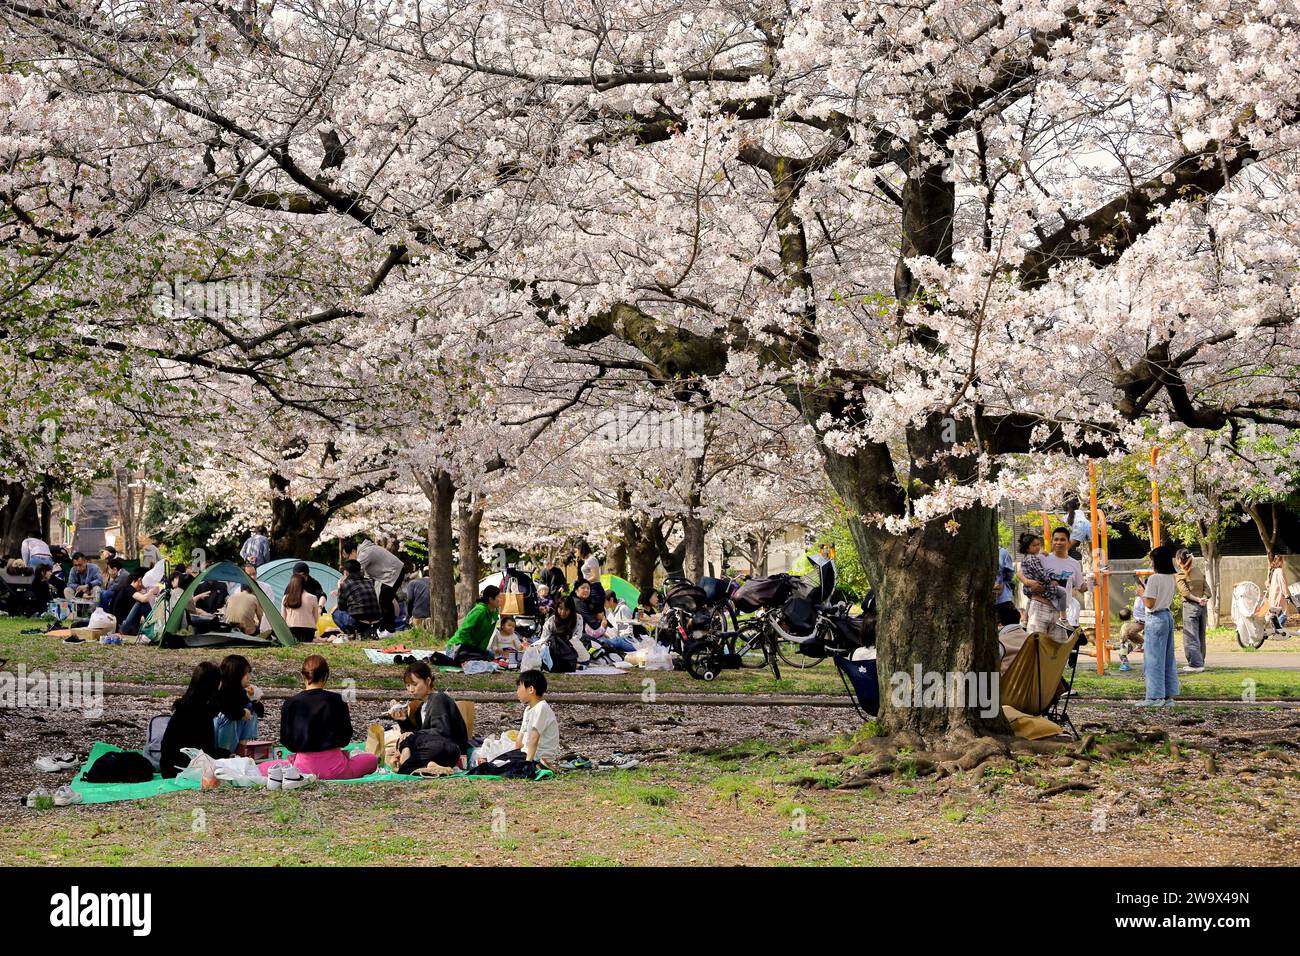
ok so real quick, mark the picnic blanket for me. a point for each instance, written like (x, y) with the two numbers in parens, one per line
(115, 792)
(379, 657)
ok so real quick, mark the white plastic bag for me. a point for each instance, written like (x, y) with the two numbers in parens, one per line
(532, 659)
(202, 767)
(494, 747)
(241, 771)
(99, 619)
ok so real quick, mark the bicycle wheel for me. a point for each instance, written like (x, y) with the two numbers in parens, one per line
(702, 660)
(752, 645)
(793, 655)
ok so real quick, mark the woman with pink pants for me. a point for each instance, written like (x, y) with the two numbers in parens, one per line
(316, 725)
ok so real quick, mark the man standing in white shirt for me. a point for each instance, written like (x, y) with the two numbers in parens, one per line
(1067, 570)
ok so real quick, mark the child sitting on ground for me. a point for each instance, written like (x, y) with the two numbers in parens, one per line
(505, 642)
(539, 731)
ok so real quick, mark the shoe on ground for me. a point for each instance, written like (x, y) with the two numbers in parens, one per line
(56, 763)
(38, 799)
(1168, 702)
(618, 761)
(65, 796)
(1193, 670)
(1149, 702)
(293, 779)
(578, 763)
(1125, 667)
(275, 777)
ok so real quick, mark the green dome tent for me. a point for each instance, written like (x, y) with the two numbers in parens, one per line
(276, 575)
(625, 590)
(168, 623)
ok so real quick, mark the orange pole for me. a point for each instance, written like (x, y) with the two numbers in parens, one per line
(1105, 586)
(1155, 498)
(1047, 531)
(1096, 577)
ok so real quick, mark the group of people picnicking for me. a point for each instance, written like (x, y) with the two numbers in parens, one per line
(1056, 585)
(221, 708)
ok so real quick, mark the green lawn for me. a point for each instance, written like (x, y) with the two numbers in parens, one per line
(278, 667)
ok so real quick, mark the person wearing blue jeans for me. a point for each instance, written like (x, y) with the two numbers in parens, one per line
(238, 712)
(1159, 663)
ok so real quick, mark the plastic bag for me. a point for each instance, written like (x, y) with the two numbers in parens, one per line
(241, 771)
(101, 619)
(202, 768)
(658, 658)
(532, 659)
(494, 747)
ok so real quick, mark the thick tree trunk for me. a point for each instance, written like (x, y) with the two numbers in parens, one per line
(1265, 516)
(440, 490)
(469, 516)
(20, 517)
(693, 540)
(617, 548)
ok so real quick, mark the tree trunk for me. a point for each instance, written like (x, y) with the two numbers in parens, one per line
(618, 546)
(469, 515)
(440, 490)
(20, 516)
(693, 555)
(1265, 516)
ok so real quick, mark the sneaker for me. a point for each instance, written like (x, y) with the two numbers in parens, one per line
(1168, 702)
(619, 762)
(293, 779)
(578, 763)
(56, 763)
(38, 799)
(1125, 667)
(275, 777)
(1193, 670)
(1148, 702)
(65, 796)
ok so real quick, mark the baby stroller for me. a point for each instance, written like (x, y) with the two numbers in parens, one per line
(528, 623)
(1247, 598)
(18, 597)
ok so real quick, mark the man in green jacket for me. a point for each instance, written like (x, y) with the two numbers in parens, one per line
(470, 642)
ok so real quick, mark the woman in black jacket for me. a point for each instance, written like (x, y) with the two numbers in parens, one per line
(316, 726)
(433, 729)
(191, 723)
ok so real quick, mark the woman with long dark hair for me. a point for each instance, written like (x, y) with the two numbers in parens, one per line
(238, 708)
(1159, 665)
(558, 635)
(300, 608)
(191, 724)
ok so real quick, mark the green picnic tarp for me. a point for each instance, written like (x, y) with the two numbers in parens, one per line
(115, 792)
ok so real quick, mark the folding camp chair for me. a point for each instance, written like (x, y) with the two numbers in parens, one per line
(862, 682)
(1035, 682)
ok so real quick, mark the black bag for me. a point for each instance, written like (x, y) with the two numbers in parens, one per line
(800, 615)
(124, 766)
(684, 595)
(512, 765)
(762, 592)
(714, 590)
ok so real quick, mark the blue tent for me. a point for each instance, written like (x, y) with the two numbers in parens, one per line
(276, 575)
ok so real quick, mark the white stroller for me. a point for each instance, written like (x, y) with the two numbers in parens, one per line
(1247, 614)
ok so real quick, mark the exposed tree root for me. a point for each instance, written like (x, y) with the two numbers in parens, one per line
(1066, 787)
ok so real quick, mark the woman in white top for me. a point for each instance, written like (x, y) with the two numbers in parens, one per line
(1159, 665)
(300, 608)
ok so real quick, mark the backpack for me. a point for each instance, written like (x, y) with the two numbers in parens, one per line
(153, 742)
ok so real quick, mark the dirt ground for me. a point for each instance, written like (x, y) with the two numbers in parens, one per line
(717, 785)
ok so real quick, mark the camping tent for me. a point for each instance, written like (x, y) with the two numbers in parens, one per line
(276, 575)
(174, 630)
(625, 590)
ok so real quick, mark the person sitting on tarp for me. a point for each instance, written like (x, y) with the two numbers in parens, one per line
(433, 730)
(244, 611)
(358, 602)
(131, 603)
(191, 725)
(316, 726)
(84, 580)
(238, 703)
(470, 642)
